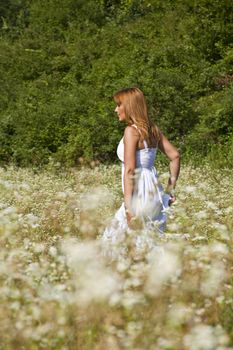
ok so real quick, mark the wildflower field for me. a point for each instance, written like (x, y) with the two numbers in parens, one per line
(59, 291)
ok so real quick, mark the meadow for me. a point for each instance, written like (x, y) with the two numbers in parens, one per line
(59, 290)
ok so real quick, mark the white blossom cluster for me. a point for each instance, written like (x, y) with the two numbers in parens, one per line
(60, 290)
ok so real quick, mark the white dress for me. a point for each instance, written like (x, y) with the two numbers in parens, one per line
(149, 202)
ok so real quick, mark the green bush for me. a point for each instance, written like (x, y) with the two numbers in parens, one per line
(61, 61)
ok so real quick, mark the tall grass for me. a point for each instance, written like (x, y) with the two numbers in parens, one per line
(60, 290)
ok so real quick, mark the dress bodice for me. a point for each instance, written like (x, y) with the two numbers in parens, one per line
(144, 157)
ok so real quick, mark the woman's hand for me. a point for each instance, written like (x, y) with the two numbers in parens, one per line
(171, 200)
(171, 189)
(129, 216)
(133, 222)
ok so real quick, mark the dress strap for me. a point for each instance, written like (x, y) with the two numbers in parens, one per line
(144, 141)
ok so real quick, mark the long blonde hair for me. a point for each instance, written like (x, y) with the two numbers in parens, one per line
(135, 107)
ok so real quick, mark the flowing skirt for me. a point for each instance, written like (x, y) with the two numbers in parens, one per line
(149, 204)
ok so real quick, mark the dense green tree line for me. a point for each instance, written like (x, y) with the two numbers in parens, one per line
(61, 61)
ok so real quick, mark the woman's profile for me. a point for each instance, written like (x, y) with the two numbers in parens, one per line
(145, 201)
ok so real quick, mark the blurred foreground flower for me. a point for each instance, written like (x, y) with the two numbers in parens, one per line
(164, 266)
(203, 337)
(95, 198)
(213, 279)
(93, 280)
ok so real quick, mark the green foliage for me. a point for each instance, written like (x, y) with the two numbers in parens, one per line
(61, 61)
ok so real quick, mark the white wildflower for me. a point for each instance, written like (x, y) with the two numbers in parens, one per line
(9, 211)
(190, 189)
(39, 248)
(122, 265)
(201, 337)
(15, 306)
(198, 238)
(6, 184)
(221, 335)
(96, 285)
(130, 299)
(211, 205)
(53, 251)
(228, 210)
(219, 248)
(179, 313)
(222, 229)
(164, 176)
(115, 298)
(32, 220)
(202, 214)
(27, 243)
(62, 195)
(163, 343)
(2, 205)
(163, 267)
(3, 268)
(174, 227)
(36, 312)
(220, 299)
(97, 197)
(95, 282)
(213, 280)
(200, 312)
(25, 186)
(33, 269)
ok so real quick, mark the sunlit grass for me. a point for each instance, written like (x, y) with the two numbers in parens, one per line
(59, 290)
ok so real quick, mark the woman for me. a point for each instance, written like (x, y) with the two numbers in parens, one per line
(145, 202)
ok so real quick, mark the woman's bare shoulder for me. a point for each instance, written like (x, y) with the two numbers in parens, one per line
(131, 131)
(131, 136)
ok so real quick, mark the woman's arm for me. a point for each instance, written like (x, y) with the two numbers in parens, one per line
(131, 139)
(172, 153)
